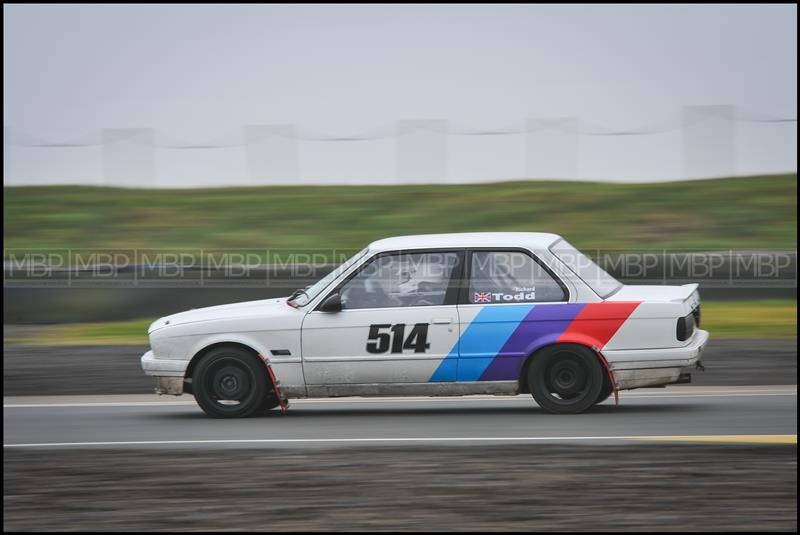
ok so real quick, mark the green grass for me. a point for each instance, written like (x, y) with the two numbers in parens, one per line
(750, 319)
(746, 212)
(724, 319)
(130, 332)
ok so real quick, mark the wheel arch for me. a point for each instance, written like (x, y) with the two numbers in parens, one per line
(524, 387)
(210, 346)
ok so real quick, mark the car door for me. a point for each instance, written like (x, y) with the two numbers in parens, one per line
(511, 305)
(398, 321)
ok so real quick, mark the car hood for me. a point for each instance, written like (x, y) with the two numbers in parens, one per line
(262, 307)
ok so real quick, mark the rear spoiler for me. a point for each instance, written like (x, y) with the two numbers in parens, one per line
(688, 291)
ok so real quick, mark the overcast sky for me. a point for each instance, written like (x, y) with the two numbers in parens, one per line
(200, 72)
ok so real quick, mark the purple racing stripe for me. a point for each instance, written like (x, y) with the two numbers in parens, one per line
(543, 325)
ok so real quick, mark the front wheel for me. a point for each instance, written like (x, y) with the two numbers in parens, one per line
(230, 383)
(565, 378)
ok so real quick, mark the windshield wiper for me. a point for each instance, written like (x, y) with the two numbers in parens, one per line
(297, 293)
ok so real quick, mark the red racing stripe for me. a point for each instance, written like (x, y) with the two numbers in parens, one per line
(597, 323)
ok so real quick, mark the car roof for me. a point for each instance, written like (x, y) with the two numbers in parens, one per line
(536, 240)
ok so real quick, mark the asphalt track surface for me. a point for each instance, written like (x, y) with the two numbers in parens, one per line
(676, 487)
(677, 414)
(681, 458)
(720, 454)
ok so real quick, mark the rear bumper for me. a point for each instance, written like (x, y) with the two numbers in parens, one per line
(168, 373)
(651, 367)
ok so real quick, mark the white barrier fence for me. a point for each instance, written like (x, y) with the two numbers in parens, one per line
(701, 142)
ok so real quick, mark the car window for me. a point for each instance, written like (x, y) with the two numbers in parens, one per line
(401, 280)
(510, 277)
(308, 295)
(596, 277)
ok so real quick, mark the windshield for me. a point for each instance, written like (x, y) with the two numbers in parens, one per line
(596, 277)
(303, 297)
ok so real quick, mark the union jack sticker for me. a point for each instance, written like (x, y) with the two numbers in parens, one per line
(482, 297)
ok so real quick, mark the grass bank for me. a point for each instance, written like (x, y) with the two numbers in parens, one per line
(745, 212)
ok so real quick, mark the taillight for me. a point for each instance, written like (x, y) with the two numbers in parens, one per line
(685, 327)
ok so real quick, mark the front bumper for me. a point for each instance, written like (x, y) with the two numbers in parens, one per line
(636, 368)
(168, 373)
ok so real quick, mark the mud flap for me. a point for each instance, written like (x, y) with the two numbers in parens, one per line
(610, 374)
(276, 385)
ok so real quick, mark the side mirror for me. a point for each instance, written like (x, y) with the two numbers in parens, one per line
(332, 304)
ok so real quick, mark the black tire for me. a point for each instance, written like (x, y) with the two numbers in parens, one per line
(565, 378)
(270, 402)
(605, 391)
(230, 382)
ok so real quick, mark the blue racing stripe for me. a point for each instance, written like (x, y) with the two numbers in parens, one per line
(484, 338)
(447, 371)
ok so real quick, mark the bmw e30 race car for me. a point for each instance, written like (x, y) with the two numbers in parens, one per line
(449, 314)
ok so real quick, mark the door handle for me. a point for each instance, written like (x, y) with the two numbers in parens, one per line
(441, 321)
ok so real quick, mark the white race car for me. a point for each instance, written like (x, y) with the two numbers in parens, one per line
(433, 315)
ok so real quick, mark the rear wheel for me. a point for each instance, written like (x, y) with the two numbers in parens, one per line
(565, 378)
(270, 402)
(229, 382)
(605, 391)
